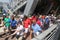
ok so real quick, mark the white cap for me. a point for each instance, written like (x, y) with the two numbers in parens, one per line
(3, 14)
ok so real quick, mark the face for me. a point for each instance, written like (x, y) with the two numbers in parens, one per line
(34, 21)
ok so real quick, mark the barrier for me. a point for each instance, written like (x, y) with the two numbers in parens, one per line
(49, 34)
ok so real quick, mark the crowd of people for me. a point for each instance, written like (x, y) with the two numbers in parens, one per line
(27, 27)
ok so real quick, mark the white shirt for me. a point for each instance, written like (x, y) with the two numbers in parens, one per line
(21, 28)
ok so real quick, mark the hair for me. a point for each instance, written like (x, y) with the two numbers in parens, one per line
(25, 17)
(20, 22)
(12, 17)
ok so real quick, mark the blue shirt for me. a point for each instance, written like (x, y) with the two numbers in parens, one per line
(13, 23)
(47, 20)
(36, 28)
(41, 19)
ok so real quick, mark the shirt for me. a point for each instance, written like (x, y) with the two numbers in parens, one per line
(39, 22)
(6, 22)
(43, 17)
(47, 20)
(13, 23)
(27, 22)
(36, 28)
(21, 29)
(34, 18)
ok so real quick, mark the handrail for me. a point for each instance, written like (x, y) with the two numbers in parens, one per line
(45, 33)
(19, 6)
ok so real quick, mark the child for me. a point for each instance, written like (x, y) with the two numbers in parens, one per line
(19, 30)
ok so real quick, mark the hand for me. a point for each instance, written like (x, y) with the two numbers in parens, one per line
(12, 34)
(8, 36)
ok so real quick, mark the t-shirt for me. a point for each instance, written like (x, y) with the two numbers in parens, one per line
(27, 22)
(39, 22)
(36, 28)
(6, 22)
(47, 20)
(43, 17)
(34, 18)
(13, 23)
(21, 28)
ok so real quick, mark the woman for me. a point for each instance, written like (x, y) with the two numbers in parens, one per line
(13, 22)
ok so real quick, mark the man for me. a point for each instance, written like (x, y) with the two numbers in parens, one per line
(13, 22)
(38, 21)
(46, 24)
(35, 29)
(26, 23)
(7, 24)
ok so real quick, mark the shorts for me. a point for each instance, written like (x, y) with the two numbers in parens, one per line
(29, 26)
(19, 37)
(26, 30)
(6, 28)
(13, 27)
(36, 33)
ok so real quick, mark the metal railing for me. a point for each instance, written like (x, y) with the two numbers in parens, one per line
(18, 5)
(49, 34)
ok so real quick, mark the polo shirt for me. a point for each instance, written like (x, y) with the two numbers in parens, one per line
(6, 22)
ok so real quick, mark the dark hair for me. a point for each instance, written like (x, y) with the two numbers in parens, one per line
(20, 22)
(13, 19)
(25, 17)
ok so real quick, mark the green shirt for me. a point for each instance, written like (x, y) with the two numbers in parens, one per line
(6, 22)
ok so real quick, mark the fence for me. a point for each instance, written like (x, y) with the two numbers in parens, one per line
(50, 34)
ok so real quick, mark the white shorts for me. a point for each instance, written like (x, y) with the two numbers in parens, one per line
(26, 30)
(20, 33)
(36, 34)
(29, 26)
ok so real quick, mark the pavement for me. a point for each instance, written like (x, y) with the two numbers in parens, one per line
(4, 36)
(1, 29)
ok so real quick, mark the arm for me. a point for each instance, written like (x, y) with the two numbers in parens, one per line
(40, 29)
(31, 31)
(15, 32)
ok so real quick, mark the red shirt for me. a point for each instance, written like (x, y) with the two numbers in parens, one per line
(39, 22)
(34, 18)
(43, 17)
(27, 22)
